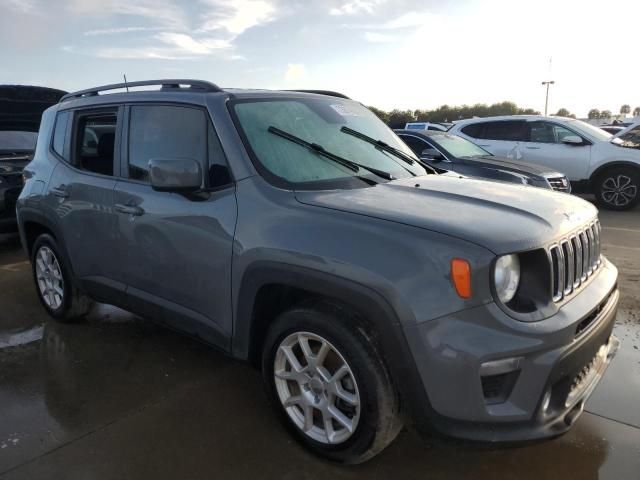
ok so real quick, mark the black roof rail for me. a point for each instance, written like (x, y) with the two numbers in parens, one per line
(171, 84)
(329, 93)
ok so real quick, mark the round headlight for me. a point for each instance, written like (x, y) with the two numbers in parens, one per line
(506, 277)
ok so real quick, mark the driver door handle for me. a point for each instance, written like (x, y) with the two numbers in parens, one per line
(533, 148)
(129, 209)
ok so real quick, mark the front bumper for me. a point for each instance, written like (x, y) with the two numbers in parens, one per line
(555, 365)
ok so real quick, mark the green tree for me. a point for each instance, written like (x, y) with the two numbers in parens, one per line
(594, 113)
(381, 114)
(563, 112)
(398, 118)
(625, 109)
(606, 114)
(636, 112)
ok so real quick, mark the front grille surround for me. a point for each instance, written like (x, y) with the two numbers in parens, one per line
(574, 259)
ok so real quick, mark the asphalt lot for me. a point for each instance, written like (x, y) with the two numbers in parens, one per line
(118, 397)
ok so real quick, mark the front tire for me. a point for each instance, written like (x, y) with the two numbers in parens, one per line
(328, 384)
(57, 294)
(618, 188)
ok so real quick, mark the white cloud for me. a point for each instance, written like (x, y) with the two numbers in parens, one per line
(296, 72)
(185, 44)
(20, 6)
(375, 37)
(237, 16)
(356, 6)
(115, 31)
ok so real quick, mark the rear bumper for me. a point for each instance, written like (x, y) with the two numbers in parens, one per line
(551, 368)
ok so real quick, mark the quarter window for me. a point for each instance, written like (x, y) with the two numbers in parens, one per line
(474, 130)
(506, 130)
(59, 134)
(95, 137)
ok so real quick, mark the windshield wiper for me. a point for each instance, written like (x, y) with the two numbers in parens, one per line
(320, 150)
(388, 148)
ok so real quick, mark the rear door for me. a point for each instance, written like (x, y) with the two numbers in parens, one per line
(80, 195)
(500, 137)
(544, 147)
(176, 248)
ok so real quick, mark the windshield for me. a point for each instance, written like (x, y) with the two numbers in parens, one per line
(17, 141)
(590, 130)
(631, 138)
(458, 146)
(319, 121)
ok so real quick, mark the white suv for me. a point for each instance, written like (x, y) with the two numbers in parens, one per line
(594, 160)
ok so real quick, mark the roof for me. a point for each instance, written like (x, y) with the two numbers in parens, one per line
(182, 86)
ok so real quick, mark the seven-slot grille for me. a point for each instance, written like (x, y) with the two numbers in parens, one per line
(559, 184)
(574, 259)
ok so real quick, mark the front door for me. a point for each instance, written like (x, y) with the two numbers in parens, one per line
(545, 148)
(176, 248)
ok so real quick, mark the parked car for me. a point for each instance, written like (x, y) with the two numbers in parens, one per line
(630, 136)
(593, 160)
(439, 127)
(452, 152)
(612, 129)
(20, 110)
(296, 231)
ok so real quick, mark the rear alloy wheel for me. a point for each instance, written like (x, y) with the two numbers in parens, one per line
(57, 293)
(49, 278)
(618, 189)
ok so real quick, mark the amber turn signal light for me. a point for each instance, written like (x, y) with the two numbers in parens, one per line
(461, 275)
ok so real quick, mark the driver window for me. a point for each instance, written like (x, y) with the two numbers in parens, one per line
(545, 132)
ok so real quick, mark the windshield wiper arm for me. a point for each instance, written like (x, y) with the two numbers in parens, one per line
(379, 143)
(320, 150)
(388, 148)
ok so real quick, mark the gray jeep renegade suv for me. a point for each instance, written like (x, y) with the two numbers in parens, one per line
(296, 231)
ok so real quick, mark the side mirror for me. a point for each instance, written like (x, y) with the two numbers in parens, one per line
(572, 140)
(431, 154)
(175, 175)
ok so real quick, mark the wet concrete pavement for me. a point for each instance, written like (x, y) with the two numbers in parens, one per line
(118, 397)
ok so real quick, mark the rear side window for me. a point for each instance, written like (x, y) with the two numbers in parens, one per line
(60, 133)
(509, 130)
(474, 130)
(94, 141)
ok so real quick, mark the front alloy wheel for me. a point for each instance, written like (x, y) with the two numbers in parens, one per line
(316, 387)
(619, 190)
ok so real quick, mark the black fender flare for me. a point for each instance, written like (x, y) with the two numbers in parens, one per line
(366, 301)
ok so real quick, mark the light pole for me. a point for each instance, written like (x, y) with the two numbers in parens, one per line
(546, 99)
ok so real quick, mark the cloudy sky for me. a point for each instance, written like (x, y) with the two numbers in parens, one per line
(386, 53)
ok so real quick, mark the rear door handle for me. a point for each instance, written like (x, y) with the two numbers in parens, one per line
(129, 209)
(60, 191)
(533, 148)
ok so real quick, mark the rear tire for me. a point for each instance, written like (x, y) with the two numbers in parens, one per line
(618, 188)
(56, 291)
(340, 401)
